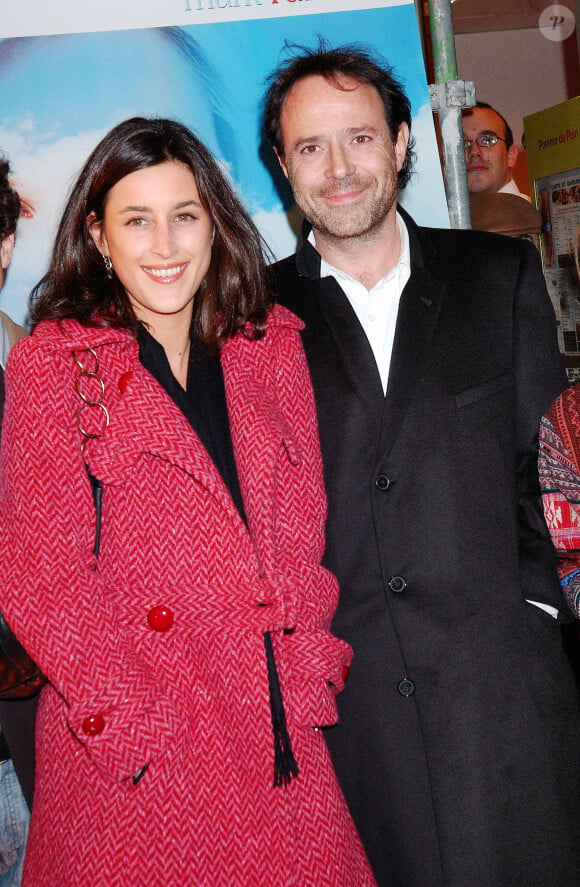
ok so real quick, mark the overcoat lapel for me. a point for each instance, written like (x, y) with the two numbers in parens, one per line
(261, 437)
(339, 351)
(145, 420)
(416, 322)
(349, 341)
(340, 359)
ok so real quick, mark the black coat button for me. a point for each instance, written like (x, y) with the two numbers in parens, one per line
(406, 687)
(397, 584)
(382, 483)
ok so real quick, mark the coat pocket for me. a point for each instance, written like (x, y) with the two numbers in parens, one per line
(484, 390)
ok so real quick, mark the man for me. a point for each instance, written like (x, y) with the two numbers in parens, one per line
(433, 355)
(490, 153)
(16, 717)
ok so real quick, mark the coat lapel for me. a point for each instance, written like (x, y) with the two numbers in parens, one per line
(145, 420)
(349, 342)
(416, 322)
(261, 435)
(340, 356)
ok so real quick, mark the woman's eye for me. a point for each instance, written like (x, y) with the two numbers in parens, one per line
(185, 217)
(135, 223)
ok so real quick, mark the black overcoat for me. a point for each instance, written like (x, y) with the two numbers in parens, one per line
(458, 742)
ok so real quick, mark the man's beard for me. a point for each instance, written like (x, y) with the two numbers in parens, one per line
(360, 219)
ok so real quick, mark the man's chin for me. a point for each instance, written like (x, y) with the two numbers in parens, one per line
(478, 187)
(343, 225)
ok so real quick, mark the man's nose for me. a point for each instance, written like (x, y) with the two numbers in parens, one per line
(340, 163)
(473, 149)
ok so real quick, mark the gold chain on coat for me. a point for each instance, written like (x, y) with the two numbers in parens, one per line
(88, 376)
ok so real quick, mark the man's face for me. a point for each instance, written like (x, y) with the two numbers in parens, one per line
(339, 156)
(488, 169)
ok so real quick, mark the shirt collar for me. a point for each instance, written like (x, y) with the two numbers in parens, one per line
(403, 262)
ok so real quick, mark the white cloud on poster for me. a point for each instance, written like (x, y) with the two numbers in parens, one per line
(43, 177)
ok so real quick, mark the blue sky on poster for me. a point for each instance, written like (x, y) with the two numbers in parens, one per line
(62, 93)
(74, 16)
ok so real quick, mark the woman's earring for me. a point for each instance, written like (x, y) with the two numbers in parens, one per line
(108, 266)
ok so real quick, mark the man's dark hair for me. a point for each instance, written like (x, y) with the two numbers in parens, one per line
(509, 136)
(352, 61)
(9, 202)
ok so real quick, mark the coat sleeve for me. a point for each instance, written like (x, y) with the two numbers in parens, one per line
(539, 377)
(50, 588)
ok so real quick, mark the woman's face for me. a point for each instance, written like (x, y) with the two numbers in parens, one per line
(159, 238)
(48, 129)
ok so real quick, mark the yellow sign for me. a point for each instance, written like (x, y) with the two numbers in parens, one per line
(553, 139)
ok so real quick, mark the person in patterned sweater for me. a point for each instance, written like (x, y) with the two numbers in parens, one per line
(183, 623)
(559, 470)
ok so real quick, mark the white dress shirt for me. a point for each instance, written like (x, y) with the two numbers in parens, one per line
(510, 187)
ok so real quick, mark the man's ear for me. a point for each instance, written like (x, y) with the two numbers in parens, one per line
(96, 231)
(6, 250)
(512, 155)
(283, 166)
(401, 145)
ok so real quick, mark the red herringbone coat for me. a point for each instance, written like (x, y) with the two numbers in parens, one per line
(192, 701)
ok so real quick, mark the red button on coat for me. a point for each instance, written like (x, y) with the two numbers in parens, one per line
(93, 725)
(160, 618)
(124, 381)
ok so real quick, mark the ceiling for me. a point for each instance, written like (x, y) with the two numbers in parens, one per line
(470, 16)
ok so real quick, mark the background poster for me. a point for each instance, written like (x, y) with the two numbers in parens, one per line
(559, 197)
(61, 92)
(552, 143)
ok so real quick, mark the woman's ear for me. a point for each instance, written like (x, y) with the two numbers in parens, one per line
(96, 231)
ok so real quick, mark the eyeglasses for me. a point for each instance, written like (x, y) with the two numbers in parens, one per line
(487, 141)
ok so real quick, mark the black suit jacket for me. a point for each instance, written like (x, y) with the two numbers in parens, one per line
(458, 742)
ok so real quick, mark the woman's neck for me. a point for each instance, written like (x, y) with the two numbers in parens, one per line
(173, 335)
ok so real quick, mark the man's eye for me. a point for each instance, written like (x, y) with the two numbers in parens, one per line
(309, 149)
(362, 139)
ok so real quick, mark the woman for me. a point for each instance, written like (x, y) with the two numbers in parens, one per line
(185, 638)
